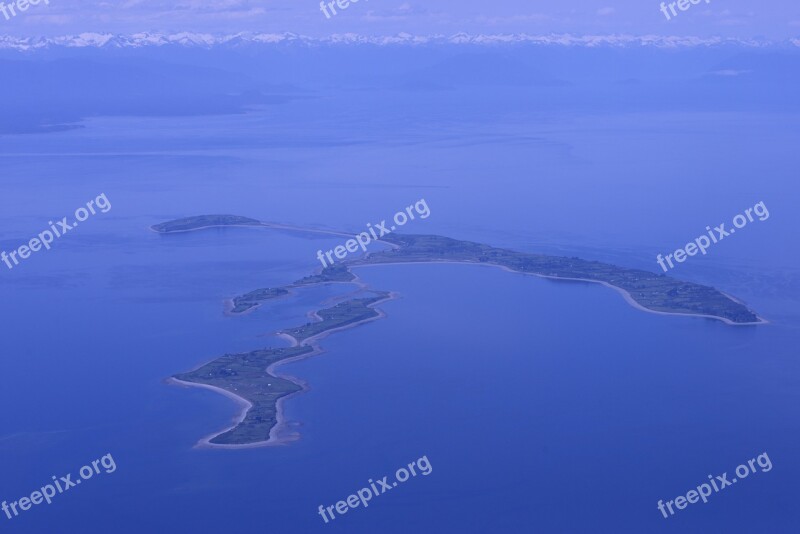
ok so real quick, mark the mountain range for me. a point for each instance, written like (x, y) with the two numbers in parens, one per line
(244, 39)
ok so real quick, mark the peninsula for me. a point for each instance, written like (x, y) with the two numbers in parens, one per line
(650, 291)
(249, 376)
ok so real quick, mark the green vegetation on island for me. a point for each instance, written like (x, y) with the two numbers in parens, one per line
(656, 292)
(341, 315)
(246, 375)
(250, 300)
(203, 221)
(335, 273)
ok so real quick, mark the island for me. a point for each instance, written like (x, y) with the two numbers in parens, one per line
(249, 376)
(643, 289)
(246, 376)
(251, 300)
(251, 379)
(188, 224)
(647, 291)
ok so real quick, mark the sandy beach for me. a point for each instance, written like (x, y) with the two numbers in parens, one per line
(627, 296)
(280, 433)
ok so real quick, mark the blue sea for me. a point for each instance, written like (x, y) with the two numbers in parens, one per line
(542, 406)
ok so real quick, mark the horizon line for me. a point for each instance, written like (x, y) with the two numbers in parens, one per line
(209, 40)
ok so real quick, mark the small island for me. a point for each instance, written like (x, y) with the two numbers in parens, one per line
(188, 224)
(251, 300)
(343, 315)
(250, 378)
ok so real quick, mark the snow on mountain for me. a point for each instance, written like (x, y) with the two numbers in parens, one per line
(205, 40)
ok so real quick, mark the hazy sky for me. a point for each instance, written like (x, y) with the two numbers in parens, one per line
(774, 19)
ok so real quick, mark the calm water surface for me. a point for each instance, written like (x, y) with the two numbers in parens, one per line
(542, 406)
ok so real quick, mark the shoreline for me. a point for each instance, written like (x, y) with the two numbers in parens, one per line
(203, 228)
(278, 226)
(245, 404)
(277, 434)
(627, 296)
(228, 304)
(275, 439)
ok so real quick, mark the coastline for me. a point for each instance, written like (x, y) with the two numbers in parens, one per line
(627, 296)
(228, 304)
(204, 227)
(277, 226)
(241, 401)
(278, 434)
